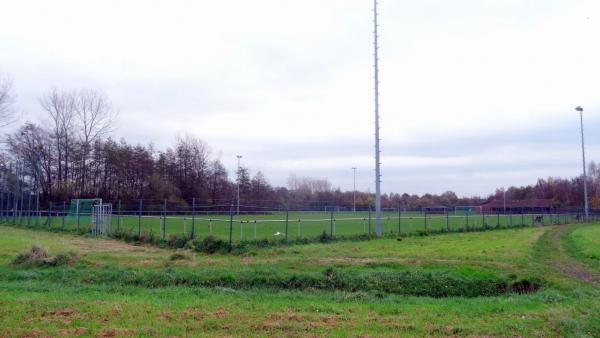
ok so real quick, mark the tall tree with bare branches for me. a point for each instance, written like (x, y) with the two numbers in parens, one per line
(7, 98)
(60, 106)
(95, 118)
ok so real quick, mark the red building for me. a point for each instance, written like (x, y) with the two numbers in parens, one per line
(519, 206)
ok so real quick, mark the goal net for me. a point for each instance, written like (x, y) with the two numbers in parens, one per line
(434, 210)
(82, 207)
(467, 209)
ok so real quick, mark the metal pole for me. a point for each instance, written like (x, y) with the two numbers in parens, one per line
(231, 228)
(118, 219)
(239, 157)
(37, 208)
(63, 215)
(78, 215)
(164, 229)
(354, 192)
(369, 219)
(585, 188)
(377, 150)
(29, 209)
(287, 217)
(2, 207)
(140, 219)
(399, 221)
(331, 223)
(504, 197)
(193, 218)
(49, 214)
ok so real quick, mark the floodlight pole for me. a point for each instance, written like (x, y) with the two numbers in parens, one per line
(585, 189)
(377, 151)
(354, 192)
(239, 157)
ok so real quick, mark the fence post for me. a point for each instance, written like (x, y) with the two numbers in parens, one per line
(140, 219)
(468, 211)
(78, 216)
(2, 207)
(21, 212)
(49, 220)
(331, 223)
(425, 220)
(28, 209)
(63, 215)
(369, 219)
(193, 218)
(164, 223)
(287, 217)
(231, 227)
(447, 221)
(15, 207)
(399, 222)
(119, 217)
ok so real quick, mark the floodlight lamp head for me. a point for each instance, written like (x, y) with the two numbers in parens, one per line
(579, 109)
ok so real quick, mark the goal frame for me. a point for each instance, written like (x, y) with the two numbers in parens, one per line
(101, 219)
(468, 209)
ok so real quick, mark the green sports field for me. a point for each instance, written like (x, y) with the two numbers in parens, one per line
(275, 225)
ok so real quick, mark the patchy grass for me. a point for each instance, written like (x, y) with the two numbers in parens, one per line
(586, 242)
(161, 299)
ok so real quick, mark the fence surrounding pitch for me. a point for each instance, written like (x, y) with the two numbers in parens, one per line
(165, 220)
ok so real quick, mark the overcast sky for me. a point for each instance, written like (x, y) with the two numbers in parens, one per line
(476, 94)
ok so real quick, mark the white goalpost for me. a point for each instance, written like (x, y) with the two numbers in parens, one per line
(101, 218)
(467, 209)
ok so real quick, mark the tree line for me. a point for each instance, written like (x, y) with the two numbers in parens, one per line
(70, 154)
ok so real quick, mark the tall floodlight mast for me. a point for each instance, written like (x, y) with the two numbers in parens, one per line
(585, 189)
(377, 151)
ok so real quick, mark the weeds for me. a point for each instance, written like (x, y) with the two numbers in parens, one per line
(39, 257)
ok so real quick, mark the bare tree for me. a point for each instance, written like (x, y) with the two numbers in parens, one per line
(33, 145)
(95, 119)
(7, 98)
(60, 106)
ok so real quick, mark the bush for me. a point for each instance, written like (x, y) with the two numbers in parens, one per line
(146, 237)
(209, 245)
(69, 258)
(39, 257)
(325, 237)
(176, 242)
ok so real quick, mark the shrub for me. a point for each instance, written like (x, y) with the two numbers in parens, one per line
(36, 256)
(69, 258)
(212, 245)
(146, 237)
(39, 257)
(209, 245)
(176, 242)
(325, 237)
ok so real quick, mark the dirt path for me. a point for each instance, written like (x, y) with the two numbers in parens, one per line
(560, 259)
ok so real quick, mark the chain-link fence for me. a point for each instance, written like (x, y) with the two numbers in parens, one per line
(166, 220)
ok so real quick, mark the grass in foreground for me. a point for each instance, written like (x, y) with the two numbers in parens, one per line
(566, 305)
